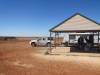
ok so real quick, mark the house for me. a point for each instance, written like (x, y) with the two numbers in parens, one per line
(77, 23)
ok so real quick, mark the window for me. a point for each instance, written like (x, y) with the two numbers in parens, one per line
(71, 36)
(50, 38)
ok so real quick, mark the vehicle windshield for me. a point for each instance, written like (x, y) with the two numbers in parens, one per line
(50, 38)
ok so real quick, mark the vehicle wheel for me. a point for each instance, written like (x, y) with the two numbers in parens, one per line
(48, 44)
(33, 44)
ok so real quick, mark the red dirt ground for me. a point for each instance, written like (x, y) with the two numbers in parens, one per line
(19, 58)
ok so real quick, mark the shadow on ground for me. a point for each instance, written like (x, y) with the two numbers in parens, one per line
(92, 50)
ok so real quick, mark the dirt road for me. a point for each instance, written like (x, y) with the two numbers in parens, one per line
(19, 58)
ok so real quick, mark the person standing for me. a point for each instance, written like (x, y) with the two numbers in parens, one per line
(81, 43)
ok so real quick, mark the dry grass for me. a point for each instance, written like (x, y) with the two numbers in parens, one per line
(19, 58)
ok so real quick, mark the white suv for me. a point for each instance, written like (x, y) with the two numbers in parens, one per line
(44, 41)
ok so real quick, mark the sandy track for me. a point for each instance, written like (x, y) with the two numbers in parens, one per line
(18, 58)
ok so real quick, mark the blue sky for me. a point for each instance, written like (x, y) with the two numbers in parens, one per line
(36, 17)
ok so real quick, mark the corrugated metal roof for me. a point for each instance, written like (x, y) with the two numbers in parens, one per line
(77, 23)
